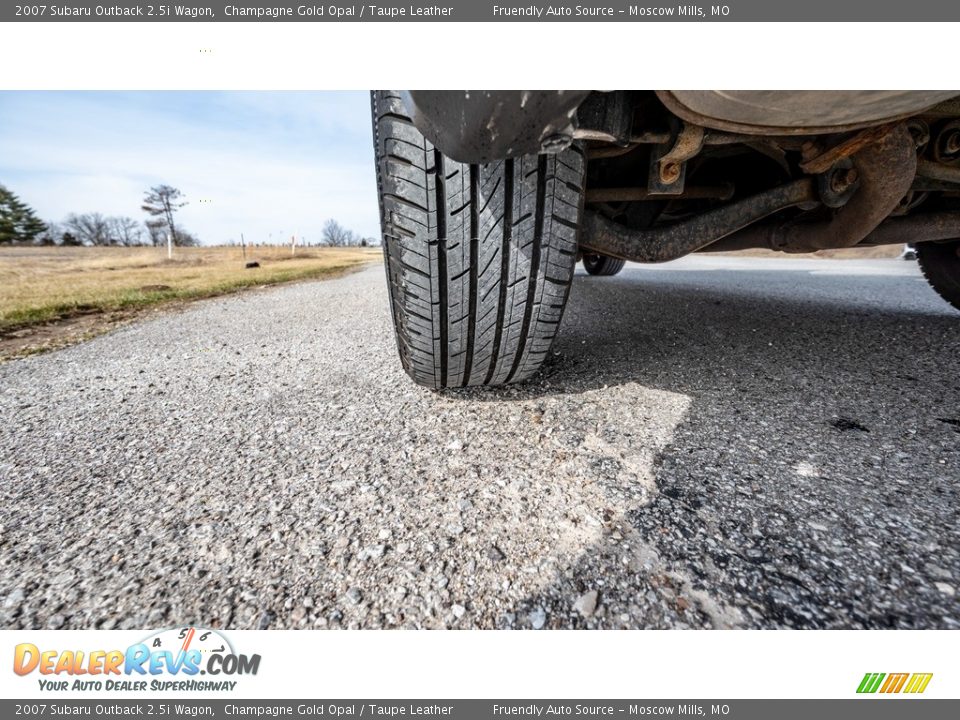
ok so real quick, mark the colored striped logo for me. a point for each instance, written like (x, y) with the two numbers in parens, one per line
(913, 683)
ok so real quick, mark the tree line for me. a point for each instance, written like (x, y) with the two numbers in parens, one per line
(19, 223)
(336, 235)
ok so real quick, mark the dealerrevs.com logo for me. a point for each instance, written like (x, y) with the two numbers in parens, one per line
(169, 660)
(892, 683)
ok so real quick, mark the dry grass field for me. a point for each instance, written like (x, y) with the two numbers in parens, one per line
(42, 287)
(50, 297)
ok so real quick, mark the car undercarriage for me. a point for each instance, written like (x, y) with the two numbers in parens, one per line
(652, 176)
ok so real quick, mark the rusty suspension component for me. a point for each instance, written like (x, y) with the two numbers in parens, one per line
(724, 191)
(937, 171)
(661, 244)
(885, 170)
(929, 227)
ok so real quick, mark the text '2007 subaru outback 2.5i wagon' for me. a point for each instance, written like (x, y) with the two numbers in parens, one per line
(489, 199)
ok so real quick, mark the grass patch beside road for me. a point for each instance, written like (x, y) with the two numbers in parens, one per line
(40, 285)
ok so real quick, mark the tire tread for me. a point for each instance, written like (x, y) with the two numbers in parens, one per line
(479, 258)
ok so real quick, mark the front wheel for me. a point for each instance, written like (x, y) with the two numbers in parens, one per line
(479, 258)
(940, 263)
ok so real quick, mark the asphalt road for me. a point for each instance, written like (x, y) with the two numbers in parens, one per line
(716, 443)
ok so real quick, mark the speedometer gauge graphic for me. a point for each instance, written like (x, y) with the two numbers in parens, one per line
(183, 639)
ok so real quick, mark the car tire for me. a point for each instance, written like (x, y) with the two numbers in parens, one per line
(602, 264)
(940, 263)
(479, 258)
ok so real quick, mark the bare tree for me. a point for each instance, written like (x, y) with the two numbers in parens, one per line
(155, 231)
(187, 239)
(125, 231)
(52, 235)
(88, 228)
(163, 201)
(335, 235)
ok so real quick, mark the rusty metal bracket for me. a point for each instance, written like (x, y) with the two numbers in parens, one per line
(825, 160)
(668, 166)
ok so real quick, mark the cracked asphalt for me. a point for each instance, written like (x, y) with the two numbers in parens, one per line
(718, 442)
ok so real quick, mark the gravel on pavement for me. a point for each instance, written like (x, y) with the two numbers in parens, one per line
(717, 442)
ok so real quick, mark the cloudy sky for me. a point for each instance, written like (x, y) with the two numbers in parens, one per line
(267, 164)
